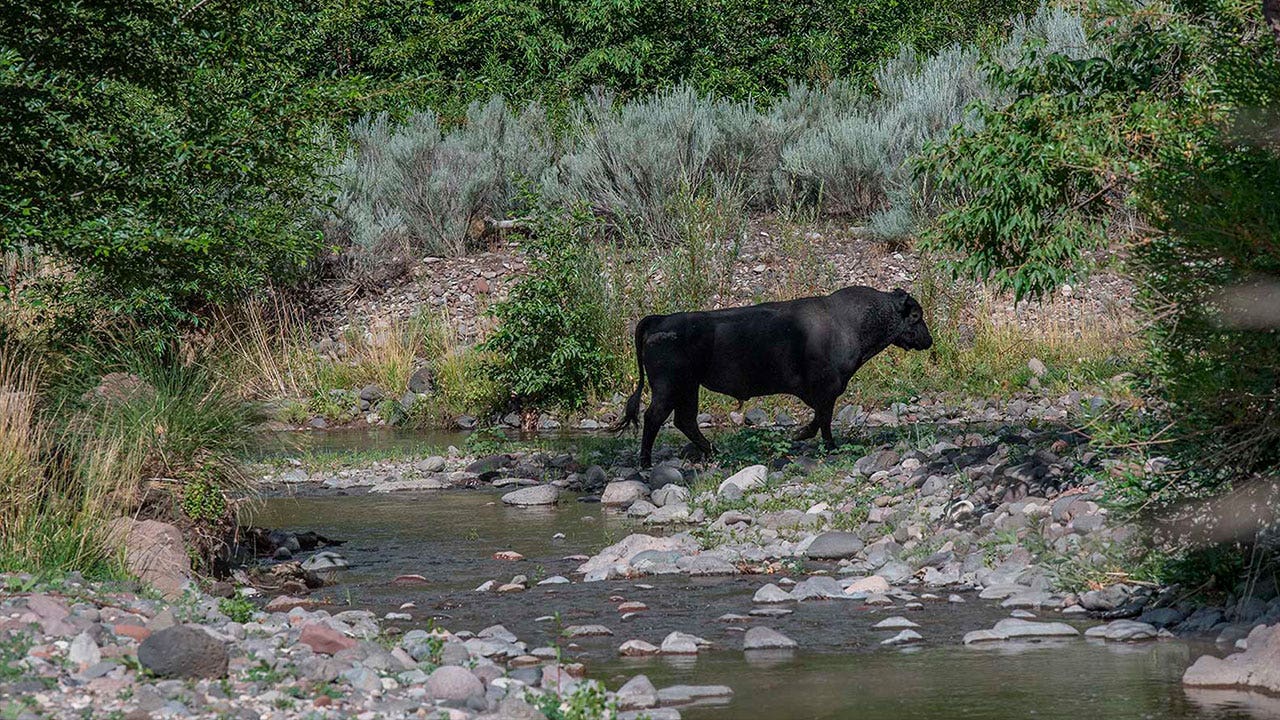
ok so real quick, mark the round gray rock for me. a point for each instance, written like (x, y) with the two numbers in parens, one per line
(669, 494)
(664, 475)
(623, 492)
(183, 652)
(835, 545)
(450, 682)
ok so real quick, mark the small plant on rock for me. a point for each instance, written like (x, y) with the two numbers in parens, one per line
(238, 608)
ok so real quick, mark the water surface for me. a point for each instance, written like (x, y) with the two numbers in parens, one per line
(841, 671)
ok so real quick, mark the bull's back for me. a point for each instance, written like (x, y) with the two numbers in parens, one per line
(741, 352)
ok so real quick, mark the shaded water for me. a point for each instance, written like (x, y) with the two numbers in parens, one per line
(840, 672)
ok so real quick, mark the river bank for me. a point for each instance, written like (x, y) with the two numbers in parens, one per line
(940, 547)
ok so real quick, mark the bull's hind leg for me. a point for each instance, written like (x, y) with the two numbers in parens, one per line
(660, 407)
(687, 421)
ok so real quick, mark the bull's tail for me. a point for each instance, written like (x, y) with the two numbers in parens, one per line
(631, 415)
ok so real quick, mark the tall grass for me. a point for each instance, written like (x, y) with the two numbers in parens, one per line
(39, 525)
(977, 355)
(51, 517)
(162, 441)
(267, 353)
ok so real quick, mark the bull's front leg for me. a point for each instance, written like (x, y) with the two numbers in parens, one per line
(808, 431)
(823, 410)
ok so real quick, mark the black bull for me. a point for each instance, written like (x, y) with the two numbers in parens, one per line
(808, 348)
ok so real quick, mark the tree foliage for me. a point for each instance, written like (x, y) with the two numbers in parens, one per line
(447, 54)
(161, 153)
(1178, 122)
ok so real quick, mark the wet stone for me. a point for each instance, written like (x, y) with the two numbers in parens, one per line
(763, 638)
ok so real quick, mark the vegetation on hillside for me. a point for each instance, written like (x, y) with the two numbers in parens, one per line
(166, 165)
(1177, 121)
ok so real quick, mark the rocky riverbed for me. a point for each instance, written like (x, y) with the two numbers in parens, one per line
(940, 554)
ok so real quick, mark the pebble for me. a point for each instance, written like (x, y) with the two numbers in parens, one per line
(903, 638)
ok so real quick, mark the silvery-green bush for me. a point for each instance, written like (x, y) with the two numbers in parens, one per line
(411, 188)
(633, 162)
(640, 164)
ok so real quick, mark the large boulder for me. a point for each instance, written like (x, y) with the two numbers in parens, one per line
(183, 651)
(450, 682)
(1257, 667)
(154, 553)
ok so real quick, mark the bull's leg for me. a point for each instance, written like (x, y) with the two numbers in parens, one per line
(822, 412)
(659, 408)
(809, 430)
(687, 420)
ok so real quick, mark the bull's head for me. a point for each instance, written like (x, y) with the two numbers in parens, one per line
(913, 333)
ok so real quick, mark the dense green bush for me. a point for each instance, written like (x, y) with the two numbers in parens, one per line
(446, 55)
(1177, 121)
(555, 327)
(157, 150)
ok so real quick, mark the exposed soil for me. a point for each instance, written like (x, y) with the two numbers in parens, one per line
(775, 260)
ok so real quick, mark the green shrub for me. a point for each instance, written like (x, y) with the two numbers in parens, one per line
(1081, 141)
(554, 328)
(238, 608)
(753, 445)
(152, 160)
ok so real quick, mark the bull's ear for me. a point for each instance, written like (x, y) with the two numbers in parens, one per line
(901, 297)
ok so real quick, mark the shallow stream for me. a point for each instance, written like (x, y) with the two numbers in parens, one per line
(840, 670)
